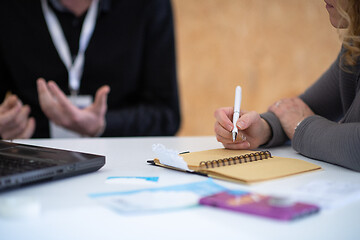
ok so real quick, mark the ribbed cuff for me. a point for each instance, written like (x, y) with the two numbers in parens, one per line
(300, 131)
(278, 135)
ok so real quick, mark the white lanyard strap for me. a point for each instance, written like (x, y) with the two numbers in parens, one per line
(75, 69)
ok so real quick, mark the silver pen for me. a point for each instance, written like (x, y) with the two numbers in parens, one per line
(236, 111)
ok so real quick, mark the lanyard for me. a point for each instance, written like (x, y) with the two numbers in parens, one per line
(75, 69)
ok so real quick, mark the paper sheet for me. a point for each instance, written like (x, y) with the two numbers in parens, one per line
(328, 194)
(157, 199)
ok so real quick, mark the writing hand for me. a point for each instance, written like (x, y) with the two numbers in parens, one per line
(15, 122)
(253, 130)
(89, 121)
(290, 112)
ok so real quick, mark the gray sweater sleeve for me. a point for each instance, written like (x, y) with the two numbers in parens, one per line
(337, 143)
(322, 97)
(278, 135)
(335, 96)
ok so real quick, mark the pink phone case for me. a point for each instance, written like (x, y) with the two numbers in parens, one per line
(261, 205)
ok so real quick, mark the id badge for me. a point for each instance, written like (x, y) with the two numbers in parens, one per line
(56, 131)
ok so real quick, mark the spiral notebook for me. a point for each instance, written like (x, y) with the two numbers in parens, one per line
(236, 165)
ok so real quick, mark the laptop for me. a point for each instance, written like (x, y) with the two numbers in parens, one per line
(21, 164)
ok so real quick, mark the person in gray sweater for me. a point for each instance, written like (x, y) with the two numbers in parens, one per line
(324, 122)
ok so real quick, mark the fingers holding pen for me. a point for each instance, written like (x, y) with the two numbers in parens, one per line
(242, 139)
(223, 129)
(247, 119)
(237, 145)
(223, 125)
(257, 130)
(222, 135)
(223, 116)
(250, 129)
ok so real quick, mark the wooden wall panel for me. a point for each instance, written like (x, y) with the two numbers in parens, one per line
(273, 49)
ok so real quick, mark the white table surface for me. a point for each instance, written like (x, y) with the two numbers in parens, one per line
(69, 213)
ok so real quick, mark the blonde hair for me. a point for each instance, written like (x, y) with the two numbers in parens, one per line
(351, 36)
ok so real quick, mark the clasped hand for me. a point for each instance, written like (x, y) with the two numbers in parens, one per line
(290, 111)
(255, 131)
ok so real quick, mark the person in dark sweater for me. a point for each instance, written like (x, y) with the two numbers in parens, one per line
(324, 122)
(126, 55)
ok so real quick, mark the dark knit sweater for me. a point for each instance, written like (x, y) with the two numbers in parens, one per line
(132, 50)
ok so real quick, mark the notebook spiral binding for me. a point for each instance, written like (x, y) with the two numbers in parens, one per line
(252, 157)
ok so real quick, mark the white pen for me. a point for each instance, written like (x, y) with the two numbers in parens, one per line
(236, 111)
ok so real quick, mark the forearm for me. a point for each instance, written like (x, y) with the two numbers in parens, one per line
(319, 138)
